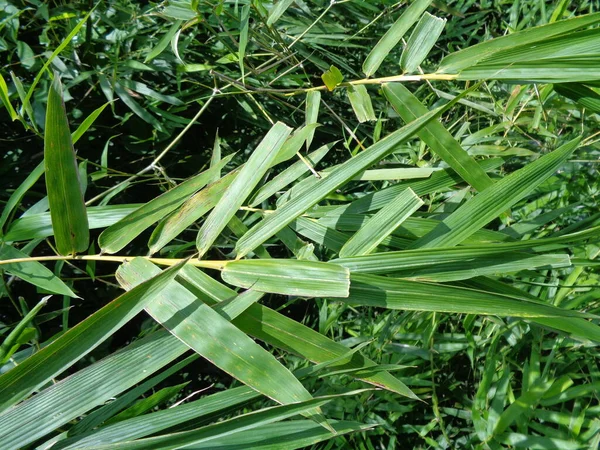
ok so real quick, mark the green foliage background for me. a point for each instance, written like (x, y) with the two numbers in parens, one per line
(488, 375)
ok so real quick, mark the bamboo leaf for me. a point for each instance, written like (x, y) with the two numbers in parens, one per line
(6, 348)
(216, 339)
(247, 179)
(128, 228)
(36, 226)
(421, 41)
(33, 272)
(311, 114)
(581, 94)
(391, 38)
(282, 332)
(288, 277)
(384, 292)
(382, 224)
(17, 195)
(78, 341)
(277, 11)
(361, 103)
(496, 199)
(164, 41)
(67, 210)
(56, 405)
(344, 172)
(87, 123)
(293, 144)
(457, 61)
(243, 42)
(136, 108)
(437, 137)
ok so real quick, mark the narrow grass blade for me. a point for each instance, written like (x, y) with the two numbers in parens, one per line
(311, 114)
(69, 217)
(421, 41)
(437, 137)
(216, 339)
(57, 405)
(361, 103)
(5, 100)
(37, 226)
(78, 341)
(384, 292)
(382, 224)
(87, 123)
(489, 204)
(289, 175)
(282, 332)
(6, 348)
(164, 41)
(247, 179)
(243, 42)
(17, 195)
(128, 228)
(391, 38)
(33, 272)
(288, 277)
(455, 62)
(344, 172)
(294, 143)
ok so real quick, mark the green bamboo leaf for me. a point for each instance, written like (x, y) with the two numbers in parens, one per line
(489, 204)
(69, 218)
(391, 38)
(289, 175)
(565, 58)
(143, 89)
(288, 277)
(164, 41)
(128, 228)
(282, 332)
(294, 143)
(215, 157)
(277, 10)
(437, 137)
(237, 192)
(384, 292)
(457, 61)
(78, 341)
(153, 423)
(581, 94)
(190, 211)
(56, 405)
(137, 109)
(311, 114)
(288, 435)
(88, 122)
(243, 42)
(439, 180)
(243, 423)
(332, 77)
(25, 105)
(396, 174)
(382, 224)
(5, 100)
(37, 226)
(361, 103)
(421, 41)
(344, 172)
(33, 272)
(216, 339)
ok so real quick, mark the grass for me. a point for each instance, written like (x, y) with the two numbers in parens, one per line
(283, 252)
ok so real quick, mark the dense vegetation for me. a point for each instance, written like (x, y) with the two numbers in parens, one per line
(284, 220)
